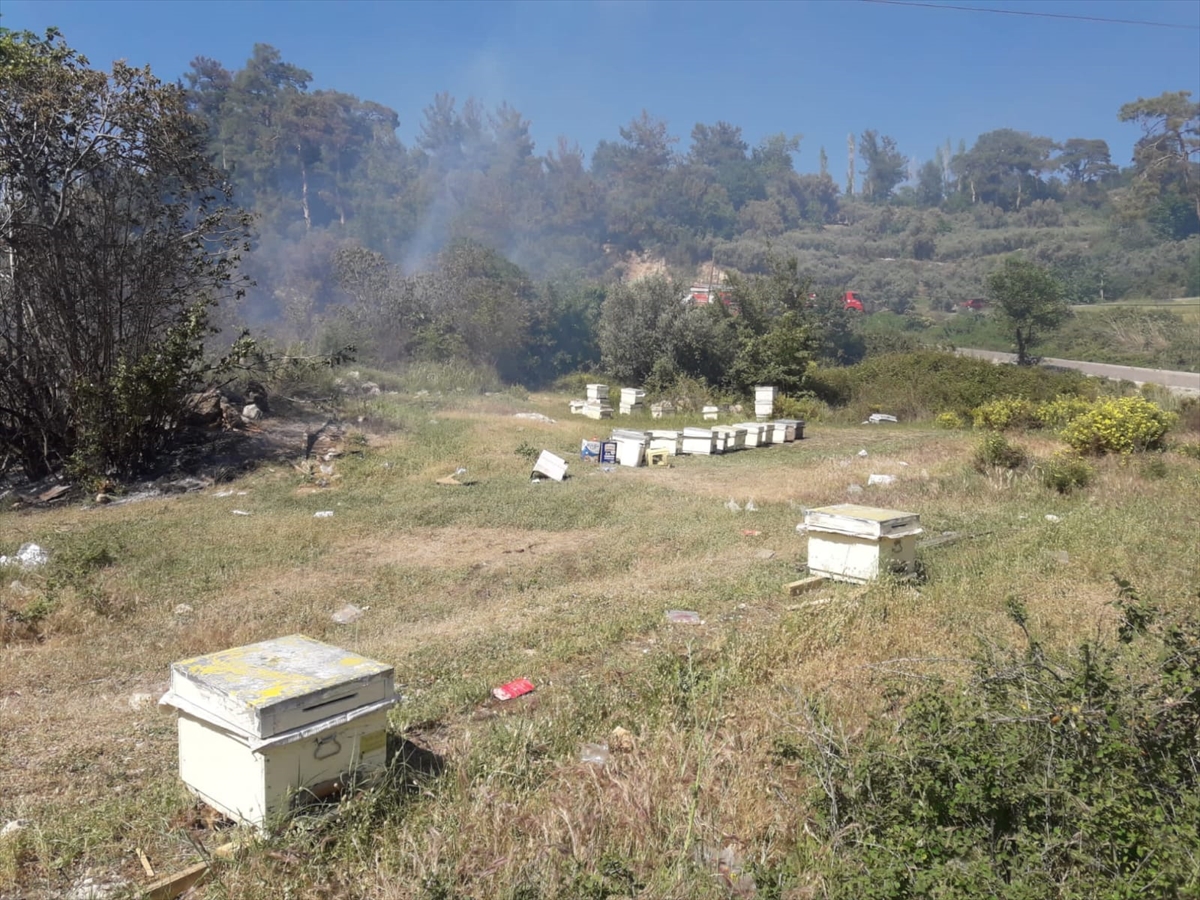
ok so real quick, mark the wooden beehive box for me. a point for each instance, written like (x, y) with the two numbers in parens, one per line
(855, 543)
(263, 725)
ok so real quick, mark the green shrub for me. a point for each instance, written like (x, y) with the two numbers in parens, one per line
(805, 407)
(1044, 776)
(913, 385)
(1064, 472)
(1005, 413)
(1191, 450)
(995, 452)
(951, 421)
(1122, 425)
(1061, 411)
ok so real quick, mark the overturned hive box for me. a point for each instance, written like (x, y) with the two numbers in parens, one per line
(268, 725)
(855, 543)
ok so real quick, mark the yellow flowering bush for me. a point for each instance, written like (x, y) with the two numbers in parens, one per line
(1005, 413)
(1060, 411)
(1124, 425)
(951, 421)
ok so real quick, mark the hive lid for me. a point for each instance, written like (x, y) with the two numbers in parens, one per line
(278, 685)
(867, 521)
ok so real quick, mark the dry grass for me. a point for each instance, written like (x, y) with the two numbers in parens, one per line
(565, 584)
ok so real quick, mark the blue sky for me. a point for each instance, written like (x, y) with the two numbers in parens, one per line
(821, 69)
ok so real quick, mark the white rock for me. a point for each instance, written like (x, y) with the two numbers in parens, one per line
(881, 479)
(1050, 517)
(251, 413)
(183, 610)
(348, 614)
(12, 828)
(30, 556)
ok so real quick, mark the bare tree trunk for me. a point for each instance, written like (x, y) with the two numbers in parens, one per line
(304, 191)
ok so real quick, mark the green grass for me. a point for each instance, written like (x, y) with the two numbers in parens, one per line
(565, 584)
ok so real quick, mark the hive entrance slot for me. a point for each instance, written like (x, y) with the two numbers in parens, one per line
(330, 702)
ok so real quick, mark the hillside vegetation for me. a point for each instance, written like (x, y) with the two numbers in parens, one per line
(855, 739)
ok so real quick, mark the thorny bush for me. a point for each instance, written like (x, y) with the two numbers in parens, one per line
(1073, 777)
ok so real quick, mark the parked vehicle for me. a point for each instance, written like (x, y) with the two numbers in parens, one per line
(850, 300)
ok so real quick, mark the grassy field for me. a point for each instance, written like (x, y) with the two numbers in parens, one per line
(565, 584)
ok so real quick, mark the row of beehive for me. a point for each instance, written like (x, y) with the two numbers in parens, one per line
(637, 448)
(633, 401)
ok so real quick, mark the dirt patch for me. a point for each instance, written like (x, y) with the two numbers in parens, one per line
(455, 547)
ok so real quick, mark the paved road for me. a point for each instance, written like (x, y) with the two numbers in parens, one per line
(1179, 382)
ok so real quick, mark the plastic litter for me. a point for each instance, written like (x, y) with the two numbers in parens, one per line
(750, 532)
(323, 514)
(881, 479)
(595, 754)
(733, 506)
(1050, 517)
(30, 556)
(877, 418)
(854, 489)
(513, 689)
(240, 512)
(751, 506)
(684, 617)
(862, 452)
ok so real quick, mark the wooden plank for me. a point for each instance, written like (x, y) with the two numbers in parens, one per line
(145, 861)
(176, 883)
(804, 584)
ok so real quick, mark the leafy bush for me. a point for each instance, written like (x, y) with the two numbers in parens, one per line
(1041, 778)
(913, 385)
(1060, 411)
(1191, 451)
(951, 421)
(994, 452)
(805, 407)
(1122, 425)
(1005, 413)
(1065, 472)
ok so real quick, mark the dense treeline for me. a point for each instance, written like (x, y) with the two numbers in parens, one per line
(132, 212)
(328, 179)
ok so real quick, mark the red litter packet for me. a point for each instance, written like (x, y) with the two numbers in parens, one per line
(513, 689)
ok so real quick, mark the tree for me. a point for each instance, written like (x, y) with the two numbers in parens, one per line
(1168, 155)
(930, 188)
(1085, 161)
(1030, 298)
(886, 166)
(117, 240)
(1004, 167)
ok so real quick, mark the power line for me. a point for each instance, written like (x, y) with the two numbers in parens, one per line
(1038, 15)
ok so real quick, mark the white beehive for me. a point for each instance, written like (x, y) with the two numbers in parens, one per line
(789, 429)
(263, 725)
(665, 440)
(754, 433)
(631, 447)
(730, 438)
(698, 441)
(855, 543)
(795, 428)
